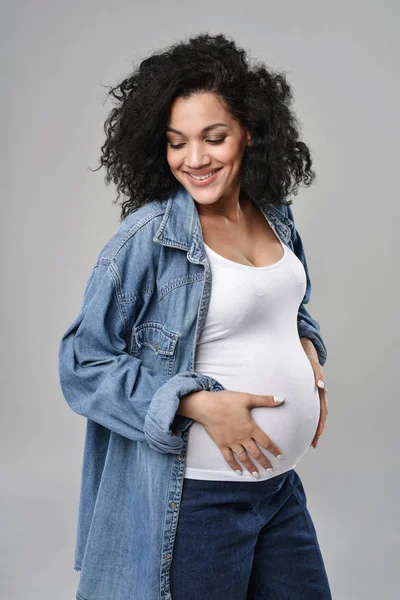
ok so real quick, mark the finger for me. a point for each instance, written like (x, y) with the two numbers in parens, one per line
(315, 441)
(244, 458)
(259, 436)
(323, 394)
(321, 428)
(229, 456)
(255, 452)
(323, 417)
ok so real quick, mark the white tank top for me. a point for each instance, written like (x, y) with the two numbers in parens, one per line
(250, 343)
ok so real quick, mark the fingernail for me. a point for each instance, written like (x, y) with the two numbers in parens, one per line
(278, 398)
(256, 474)
(320, 383)
(238, 472)
(280, 456)
(270, 469)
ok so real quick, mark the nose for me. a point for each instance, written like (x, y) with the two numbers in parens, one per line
(195, 157)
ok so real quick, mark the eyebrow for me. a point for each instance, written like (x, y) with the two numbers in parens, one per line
(204, 130)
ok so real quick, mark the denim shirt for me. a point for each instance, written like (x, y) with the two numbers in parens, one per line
(124, 363)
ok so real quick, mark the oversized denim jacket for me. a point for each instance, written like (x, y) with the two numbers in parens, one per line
(124, 363)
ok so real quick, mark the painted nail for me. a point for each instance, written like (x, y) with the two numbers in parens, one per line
(256, 474)
(270, 469)
(238, 472)
(278, 398)
(280, 456)
(320, 383)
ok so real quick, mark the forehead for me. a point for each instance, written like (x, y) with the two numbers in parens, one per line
(198, 111)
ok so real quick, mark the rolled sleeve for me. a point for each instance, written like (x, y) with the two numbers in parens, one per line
(102, 381)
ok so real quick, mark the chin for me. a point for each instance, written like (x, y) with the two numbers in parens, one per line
(204, 198)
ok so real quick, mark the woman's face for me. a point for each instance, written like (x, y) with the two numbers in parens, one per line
(203, 139)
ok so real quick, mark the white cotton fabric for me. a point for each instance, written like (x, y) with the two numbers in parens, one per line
(250, 343)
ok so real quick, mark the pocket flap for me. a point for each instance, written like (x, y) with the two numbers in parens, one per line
(157, 337)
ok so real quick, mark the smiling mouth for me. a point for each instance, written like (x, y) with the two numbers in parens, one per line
(203, 177)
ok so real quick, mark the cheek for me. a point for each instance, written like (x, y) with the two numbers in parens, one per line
(172, 162)
(229, 155)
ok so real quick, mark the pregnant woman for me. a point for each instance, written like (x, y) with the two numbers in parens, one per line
(193, 357)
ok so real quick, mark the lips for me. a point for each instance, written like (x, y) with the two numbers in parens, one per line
(203, 173)
(203, 182)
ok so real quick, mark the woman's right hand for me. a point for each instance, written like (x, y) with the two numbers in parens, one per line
(226, 417)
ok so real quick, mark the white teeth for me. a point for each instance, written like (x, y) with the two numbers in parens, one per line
(203, 176)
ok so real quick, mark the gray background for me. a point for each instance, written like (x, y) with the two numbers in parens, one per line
(340, 58)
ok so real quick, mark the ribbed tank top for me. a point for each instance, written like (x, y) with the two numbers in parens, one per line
(250, 343)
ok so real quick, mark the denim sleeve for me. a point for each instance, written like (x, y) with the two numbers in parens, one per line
(102, 381)
(306, 325)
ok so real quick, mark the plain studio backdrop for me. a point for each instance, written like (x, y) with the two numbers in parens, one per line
(342, 60)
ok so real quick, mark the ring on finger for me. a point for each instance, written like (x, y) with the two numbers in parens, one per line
(237, 453)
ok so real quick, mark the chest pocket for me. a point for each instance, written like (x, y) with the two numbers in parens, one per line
(155, 345)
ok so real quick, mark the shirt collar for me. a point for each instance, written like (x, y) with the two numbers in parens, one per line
(181, 227)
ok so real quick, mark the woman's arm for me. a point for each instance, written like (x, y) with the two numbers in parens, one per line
(103, 382)
(306, 325)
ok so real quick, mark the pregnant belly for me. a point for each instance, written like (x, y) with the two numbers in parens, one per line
(291, 426)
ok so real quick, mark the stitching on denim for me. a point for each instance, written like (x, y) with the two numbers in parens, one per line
(161, 550)
(174, 243)
(135, 228)
(117, 287)
(102, 261)
(178, 282)
(160, 233)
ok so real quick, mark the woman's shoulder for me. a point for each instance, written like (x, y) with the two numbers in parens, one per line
(136, 230)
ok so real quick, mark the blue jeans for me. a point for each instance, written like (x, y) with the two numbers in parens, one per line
(247, 541)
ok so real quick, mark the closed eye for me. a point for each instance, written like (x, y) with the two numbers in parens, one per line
(177, 146)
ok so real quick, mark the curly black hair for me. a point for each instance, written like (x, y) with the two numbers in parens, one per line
(134, 153)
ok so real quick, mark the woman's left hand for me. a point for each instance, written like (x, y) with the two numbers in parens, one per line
(320, 382)
(323, 399)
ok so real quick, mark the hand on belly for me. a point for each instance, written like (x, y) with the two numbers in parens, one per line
(292, 426)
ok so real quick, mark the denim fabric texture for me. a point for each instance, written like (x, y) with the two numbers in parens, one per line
(124, 363)
(253, 541)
